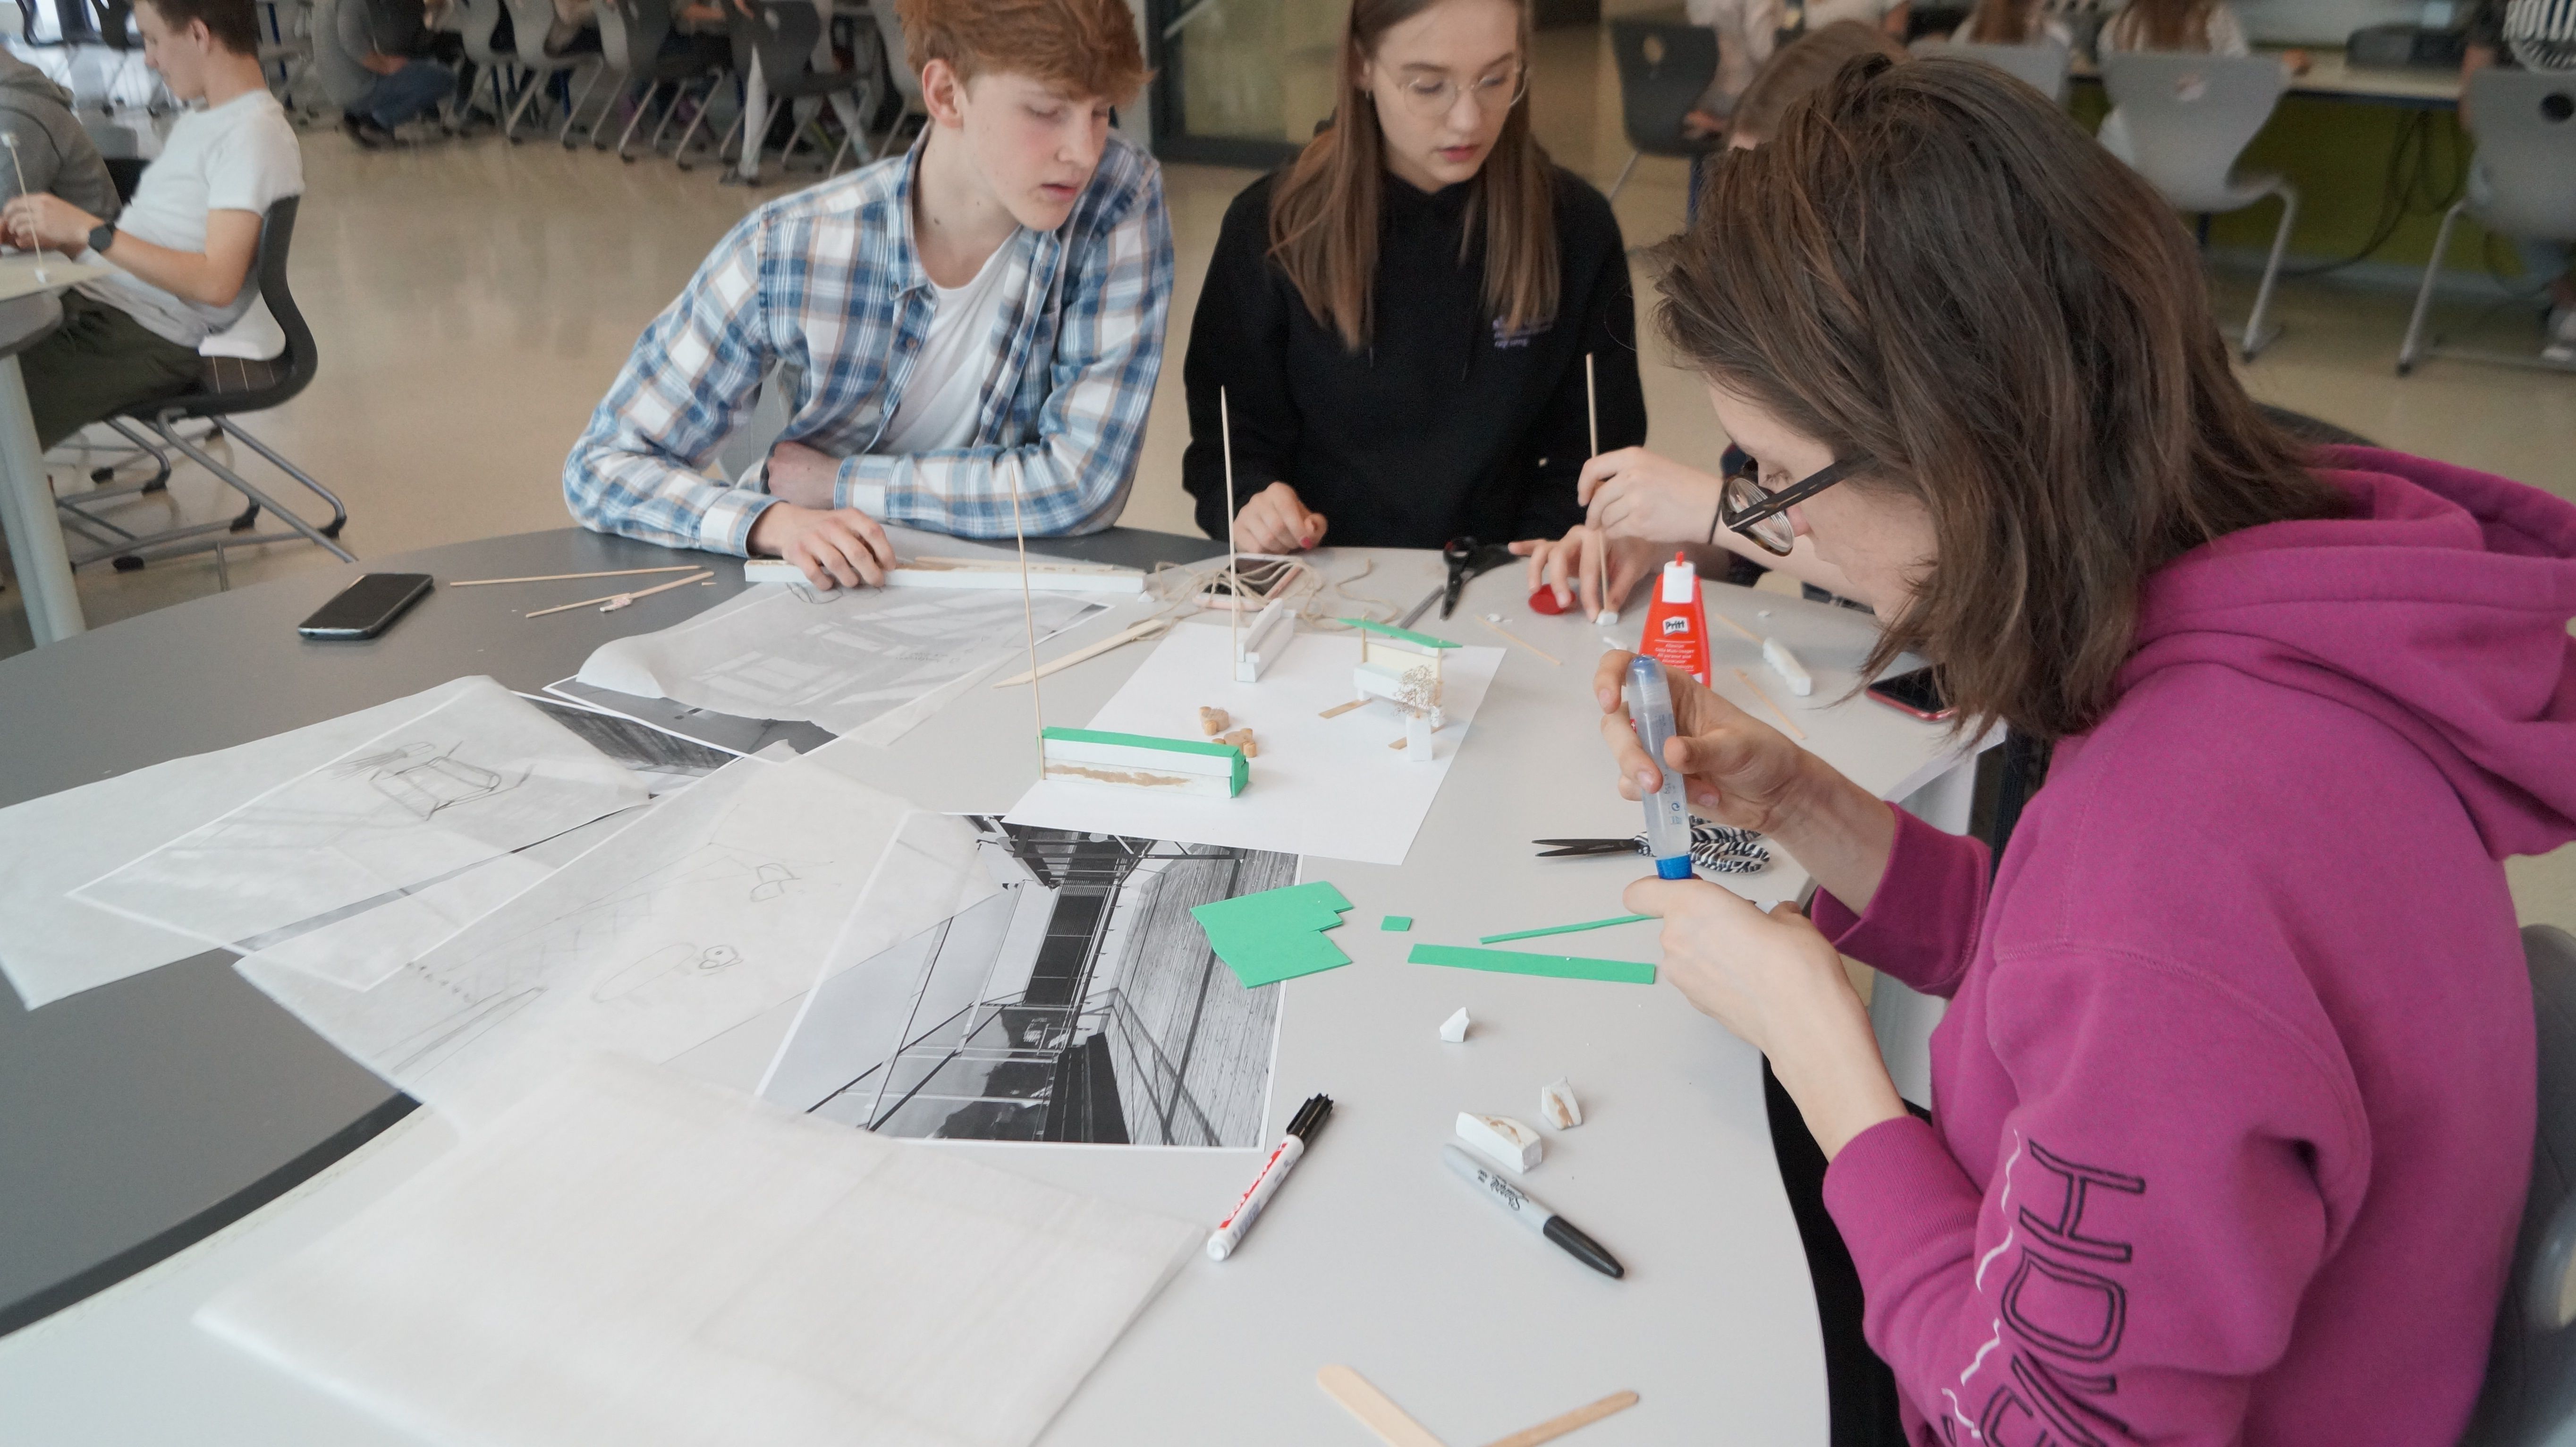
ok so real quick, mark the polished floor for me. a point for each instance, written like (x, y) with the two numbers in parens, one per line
(472, 300)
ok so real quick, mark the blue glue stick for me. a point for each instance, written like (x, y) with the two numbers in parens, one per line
(1668, 825)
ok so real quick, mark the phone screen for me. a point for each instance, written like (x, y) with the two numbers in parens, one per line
(1918, 693)
(366, 607)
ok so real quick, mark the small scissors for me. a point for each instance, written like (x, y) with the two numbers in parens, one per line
(1468, 558)
(1717, 848)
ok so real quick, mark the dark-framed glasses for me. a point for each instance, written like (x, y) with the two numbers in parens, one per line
(1747, 507)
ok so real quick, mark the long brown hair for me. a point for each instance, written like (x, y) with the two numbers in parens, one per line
(1324, 212)
(1933, 267)
(2001, 22)
(2163, 25)
(1799, 67)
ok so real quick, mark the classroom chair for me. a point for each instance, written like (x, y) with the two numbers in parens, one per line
(631, 35)
(2524, 187)
(778, 49)
(1664, 67)
(286, 49)
(2042, 64)
(907, 79)
(2529, 1399)
(478, 26)
(529, 22)
(2188, 118)
(226, 387)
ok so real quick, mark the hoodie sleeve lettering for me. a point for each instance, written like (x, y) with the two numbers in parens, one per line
(1921, 926)
(2178, 1166)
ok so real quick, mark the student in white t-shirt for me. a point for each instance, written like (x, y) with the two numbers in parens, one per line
(184, 245)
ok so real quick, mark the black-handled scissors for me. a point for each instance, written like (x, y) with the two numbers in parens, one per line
(1717, 848)
(1468, 558)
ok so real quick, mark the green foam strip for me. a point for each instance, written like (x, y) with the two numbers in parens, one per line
(1563, 929)
(1516, 962)
(1396, 923)
(1277, 934)
(1242, 769)
(1423, 640)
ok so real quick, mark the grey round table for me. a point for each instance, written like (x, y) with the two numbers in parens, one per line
(138, 1118)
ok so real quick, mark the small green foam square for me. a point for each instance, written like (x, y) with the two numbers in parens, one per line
(1396, 924)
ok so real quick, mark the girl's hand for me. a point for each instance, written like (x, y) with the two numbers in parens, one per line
(1633, 493)
(1585, 565)
(1778, 983)
(1276, 520)
(1735, 768)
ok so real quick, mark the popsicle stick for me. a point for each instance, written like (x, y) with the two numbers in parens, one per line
(1555, 1427)
(1339, 709)
(1373, 1409)
(1552, 659)
(1749, 635)
(1119, 639)
(619, 600)
(1747, 679)
(561, 577)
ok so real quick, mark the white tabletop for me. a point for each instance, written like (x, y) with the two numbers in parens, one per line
(1373, 1256)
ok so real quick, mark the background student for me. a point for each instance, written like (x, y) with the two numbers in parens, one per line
(2013, 22)
(2555, 260)
(53, 152)
(2234, 1097)
(183, 248)
(967, 334)
(1399, 319)
(1640, 505)
(1748, 31)
(376, 66)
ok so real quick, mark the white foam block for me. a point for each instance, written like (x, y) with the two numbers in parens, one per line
(1786, 664)
(1501, 1139)
(1046, 577)
(1557, 1105)
(1454, 1029)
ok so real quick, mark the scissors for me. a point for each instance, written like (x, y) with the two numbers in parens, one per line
(1717, 848)
(1468, 558)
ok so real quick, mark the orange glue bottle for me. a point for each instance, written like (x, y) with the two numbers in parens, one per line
(1677, 622)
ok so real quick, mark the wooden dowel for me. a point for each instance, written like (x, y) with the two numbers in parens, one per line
(1525, 643)
(1749, 635)
(1775, 707)
(1119, 639)
(561, 577)
(612, 600)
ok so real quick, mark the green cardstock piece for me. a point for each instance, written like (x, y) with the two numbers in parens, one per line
(1516, 962)
(1277, 934)
(1564, 929)
(1419, 640)
(1209, 747)
(1396, 924)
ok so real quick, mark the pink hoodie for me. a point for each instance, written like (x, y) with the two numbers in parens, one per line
(2234, 1098)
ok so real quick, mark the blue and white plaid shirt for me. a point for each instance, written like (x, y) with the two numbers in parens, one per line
(825, 285)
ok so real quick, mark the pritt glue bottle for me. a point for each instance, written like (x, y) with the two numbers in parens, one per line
(1677, 623)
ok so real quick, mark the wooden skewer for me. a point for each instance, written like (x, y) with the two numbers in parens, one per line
(1555, 1427)
(1120, 639)
(1749, 635)
(1233, 576)
(1591, 412)
(1553, 660)
(560, 577)
(1775, 707)
(615, 601)
(1374, 1410)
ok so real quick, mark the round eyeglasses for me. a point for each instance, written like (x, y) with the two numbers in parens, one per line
(1747, 507)
(1431, 96)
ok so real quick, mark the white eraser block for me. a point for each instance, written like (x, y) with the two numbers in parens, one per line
(1557, 1105)
(771, 570)
(1417, 738)
(1608, 617)
(1454, 1029)
(1786, 664)
(1501, 1139)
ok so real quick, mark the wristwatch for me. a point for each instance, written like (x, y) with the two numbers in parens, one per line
(102, 236)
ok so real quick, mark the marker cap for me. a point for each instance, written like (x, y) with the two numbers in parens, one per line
(1676, 867)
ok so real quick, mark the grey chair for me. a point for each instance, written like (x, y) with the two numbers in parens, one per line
(2525, 187)
(1664, 68)
(529, 22)
(782, 38)
(899, 69)
(2530, 1395)
(478, 26)
(2188, 118)
(631, 37)
(2043, 65)
(225, 388)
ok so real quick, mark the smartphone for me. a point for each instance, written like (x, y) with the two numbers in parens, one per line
(1917, 693)
(366, 607)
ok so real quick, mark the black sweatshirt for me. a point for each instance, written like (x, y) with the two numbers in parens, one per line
(1440, 427)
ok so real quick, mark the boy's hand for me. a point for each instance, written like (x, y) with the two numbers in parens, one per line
(1277, 521)
(834, 547)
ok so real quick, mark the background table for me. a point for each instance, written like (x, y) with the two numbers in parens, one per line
(139, 1117)
(28, 310)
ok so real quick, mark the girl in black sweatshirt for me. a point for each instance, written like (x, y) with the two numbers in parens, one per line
(1399, 318)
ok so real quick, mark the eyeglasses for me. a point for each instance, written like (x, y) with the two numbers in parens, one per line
(1746, 506)
(1430, 97)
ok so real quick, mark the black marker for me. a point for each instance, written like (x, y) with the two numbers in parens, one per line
(1532, 1212)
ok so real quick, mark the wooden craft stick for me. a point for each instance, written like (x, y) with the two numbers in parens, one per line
(1373, 1409)
(1552, 659)
(1555, 1427)
(560, 577)
(1749, 635)
(1339, 709)
(1119, 639)
(1591, 412)
(1775, 707)
(615, 601)
(1233, 574)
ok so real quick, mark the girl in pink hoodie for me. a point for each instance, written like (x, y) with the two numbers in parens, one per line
(2233, 1103)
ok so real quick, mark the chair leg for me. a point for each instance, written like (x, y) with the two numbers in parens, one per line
(2256, 339)
(689, 133)
(671, 112)
(643, 103)
(572, 112)
(2411, 351)
(1623, 175)
(622, 90)
(322, 537)
(527, 96)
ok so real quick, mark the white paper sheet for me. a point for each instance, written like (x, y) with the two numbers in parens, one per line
(954, 1032)
(1327, 786)
(51, 945)
(716, 906)
(637, 1259)
(866, 663)
(474, 778)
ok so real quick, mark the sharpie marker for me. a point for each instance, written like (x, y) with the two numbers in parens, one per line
(1302, 1126)
(1532, 1212)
